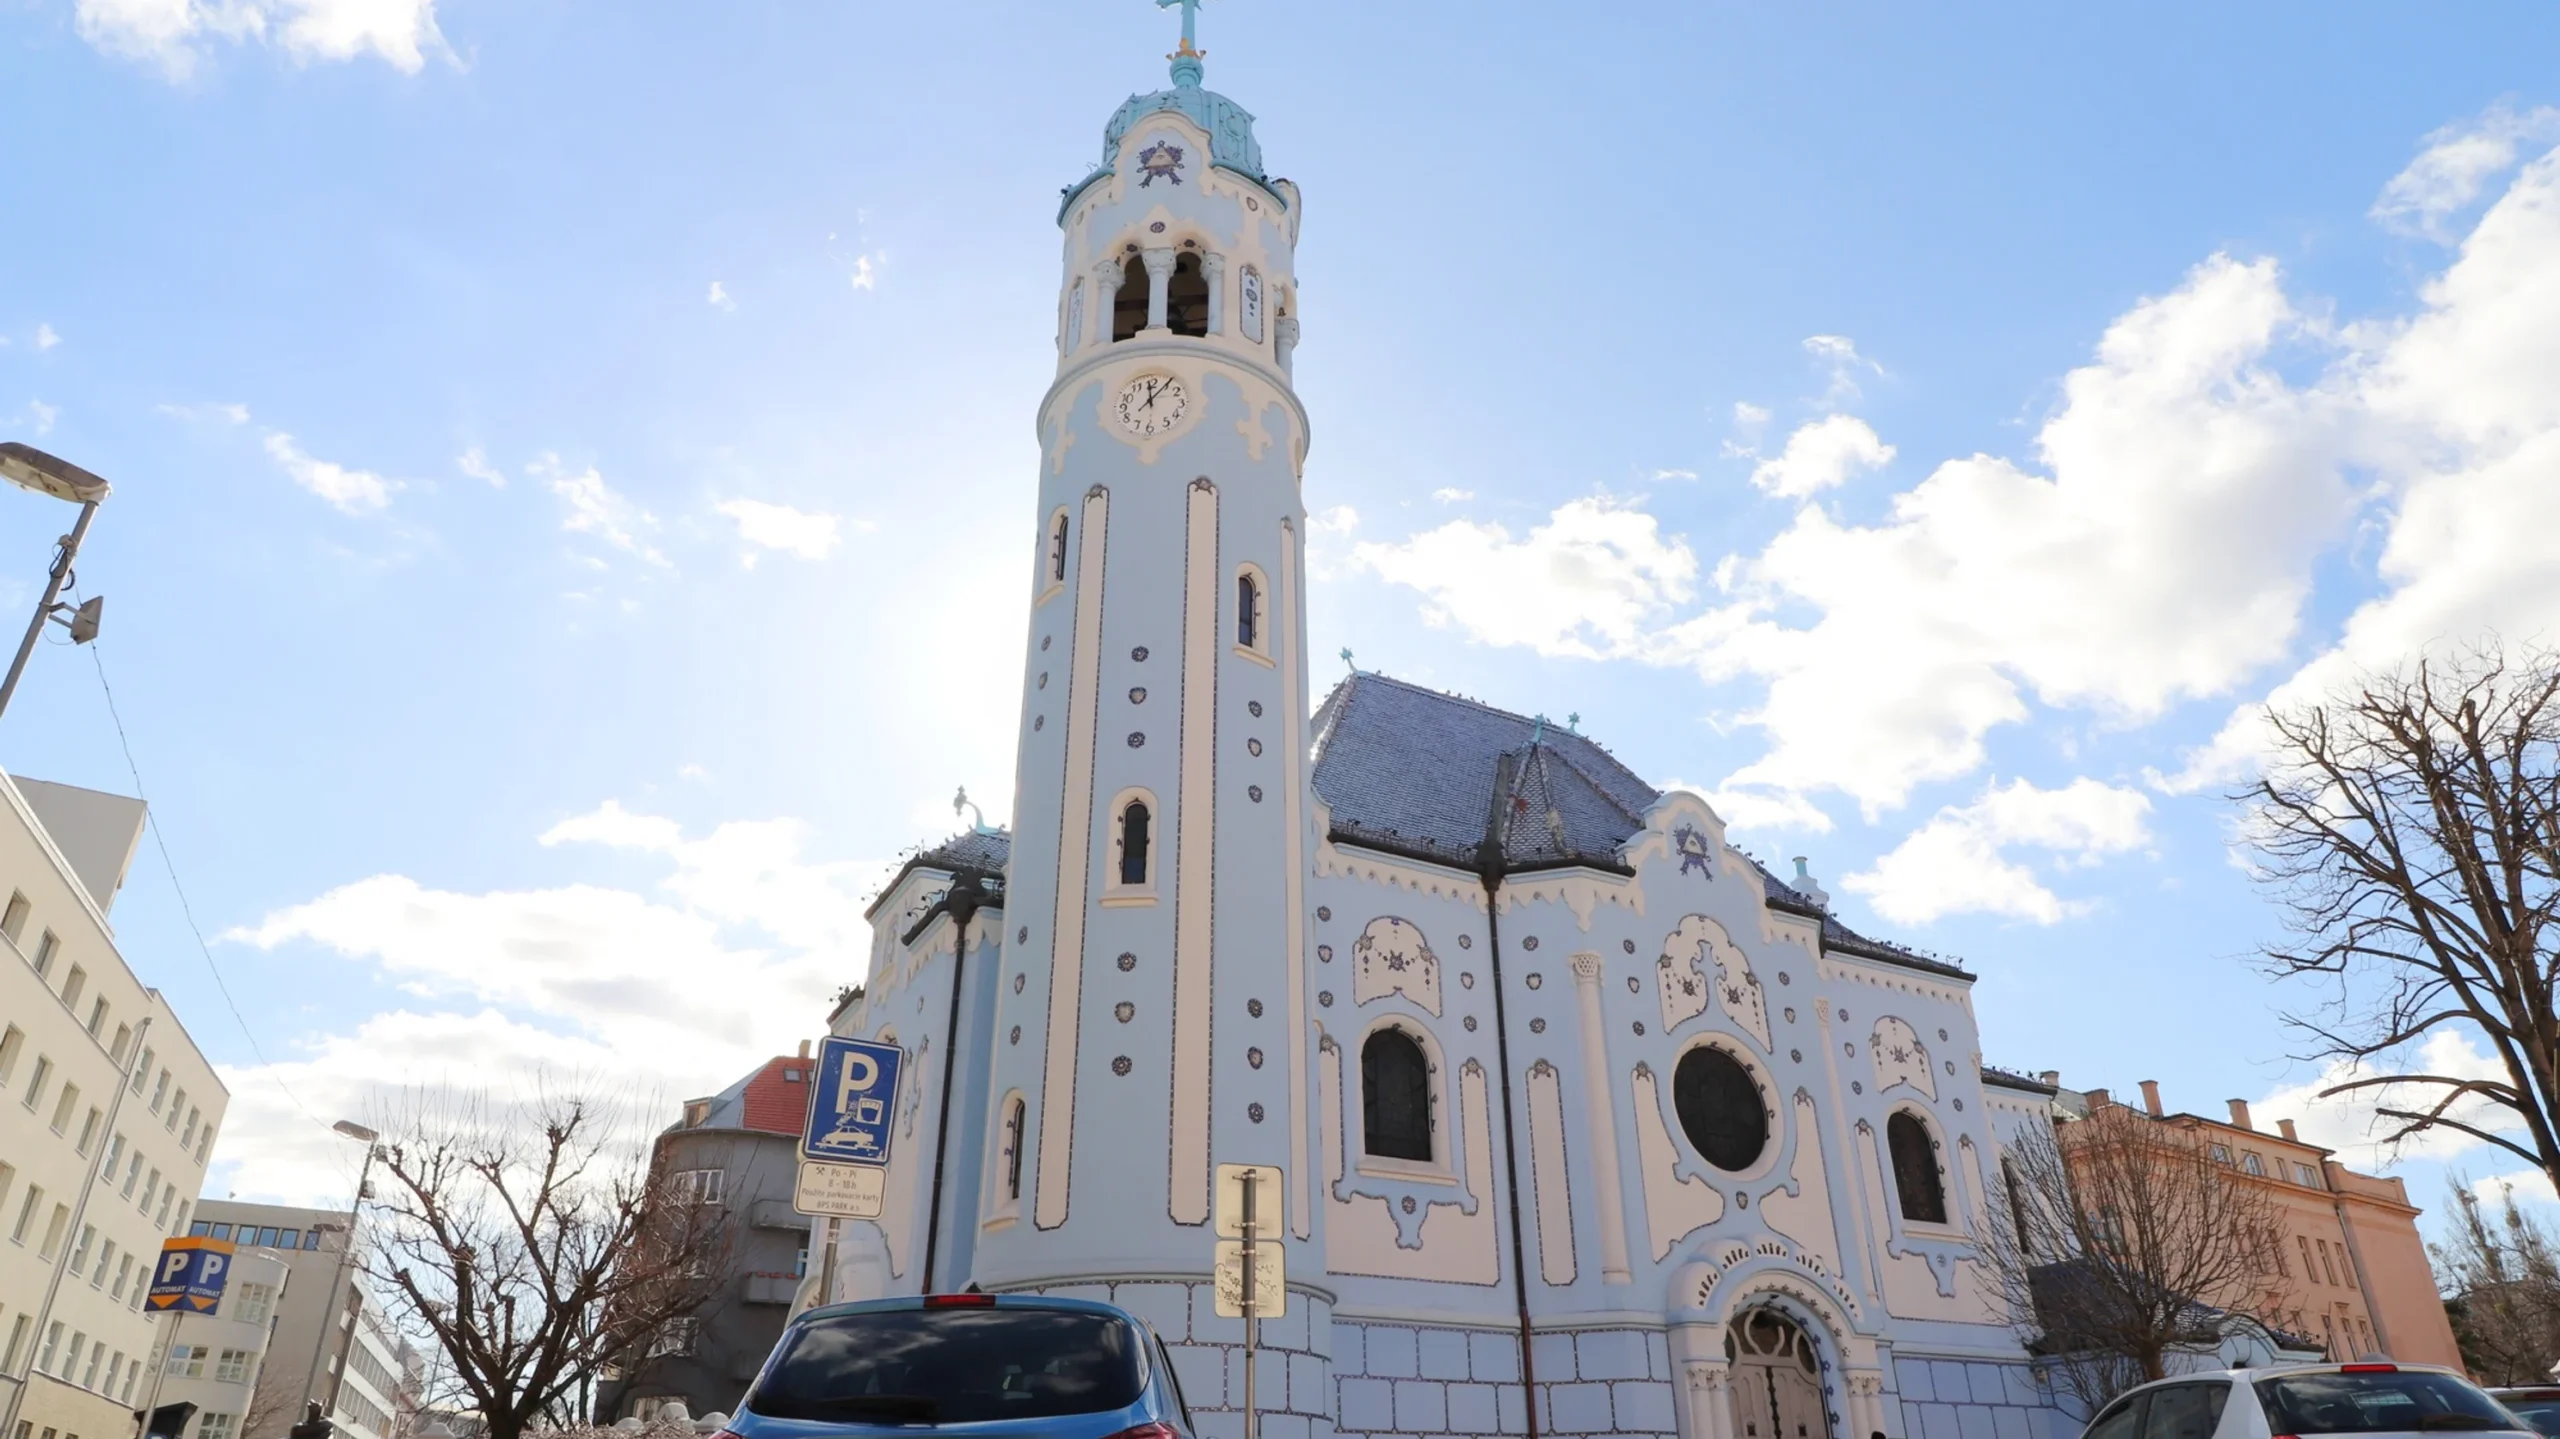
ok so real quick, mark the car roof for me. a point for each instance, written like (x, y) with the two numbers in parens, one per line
(1054, 1303)
(2265, 1371)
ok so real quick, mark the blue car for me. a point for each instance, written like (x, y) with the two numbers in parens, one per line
(966, 1364)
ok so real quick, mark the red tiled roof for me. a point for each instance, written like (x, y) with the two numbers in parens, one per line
(777, 1096)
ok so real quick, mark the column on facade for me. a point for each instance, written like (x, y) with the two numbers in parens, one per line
(1213, 268)
(1866, 1402)
(1596, 1085)
(1107, 278)
(1159, 284)
(1286, 334)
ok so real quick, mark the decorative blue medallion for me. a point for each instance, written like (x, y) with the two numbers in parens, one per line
(1693, 848)
(1160, 161)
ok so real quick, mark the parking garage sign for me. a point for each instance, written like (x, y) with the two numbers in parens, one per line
(853, 1103)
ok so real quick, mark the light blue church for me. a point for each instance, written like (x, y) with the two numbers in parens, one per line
(1586, 1123)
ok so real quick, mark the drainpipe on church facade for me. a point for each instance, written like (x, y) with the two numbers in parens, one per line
(962, 902)
(1489, 868)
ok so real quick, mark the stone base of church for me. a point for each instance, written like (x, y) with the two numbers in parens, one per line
(1406, 1379)
(1293, 1355)
(1973, 1399)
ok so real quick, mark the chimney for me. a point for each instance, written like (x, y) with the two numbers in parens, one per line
(2099, 1099)
(2052, 1077)
(804, 1049)
(2151, 1097)
(2240, 1115)
(2285, 1128)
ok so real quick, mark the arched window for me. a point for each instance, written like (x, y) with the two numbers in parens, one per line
(1013, 1117)
(1915, 1169)
(1133, 842)
(1186, 299)
(1129, 302)
(1058, 548)
(1395, 1097)
(1248, 612)
(1719, 1108)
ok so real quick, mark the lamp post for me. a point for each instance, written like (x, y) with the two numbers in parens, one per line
(32, 469)
(335, 1304)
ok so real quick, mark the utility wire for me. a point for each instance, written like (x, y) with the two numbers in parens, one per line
(151, 819)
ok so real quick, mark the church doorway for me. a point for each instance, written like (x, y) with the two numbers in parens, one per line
(1777, 1379)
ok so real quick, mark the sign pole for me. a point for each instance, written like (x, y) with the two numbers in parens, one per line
(1251, 1427)
(827, 1275)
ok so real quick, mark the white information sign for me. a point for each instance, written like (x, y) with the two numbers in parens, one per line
(847, 1191)
(1267, 1211)
(1270, 1287)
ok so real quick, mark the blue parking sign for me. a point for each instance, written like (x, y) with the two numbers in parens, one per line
(191, 1274)
(854, 1101)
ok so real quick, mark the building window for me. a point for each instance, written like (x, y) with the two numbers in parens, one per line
(1129, 302)
(27, 1208)
(46, 948)
(186, 1361)
(1186, 296)
(1719, 1108)
(18, 1332)
(2221, 1153)
(700, 1186)
(13, 1042)
(2327, 1269)
(1014, 1116)
(89, 1129)
(63, 1106)
(676, 1338)
(2304, 1176)
(2310, 1271)
(1058, 548)
(98, 1017)
(13, 923)
(1133, 850)
(232, 1367)
(1395, 1097)
(213, 1424)
(2250, 1163)
(1248, 612)
(257, 1301)
(37, 1082)
(1915, 1169)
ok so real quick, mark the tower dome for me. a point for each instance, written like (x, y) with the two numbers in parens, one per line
(1228, 124)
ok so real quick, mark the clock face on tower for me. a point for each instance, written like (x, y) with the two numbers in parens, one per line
(1151, 405)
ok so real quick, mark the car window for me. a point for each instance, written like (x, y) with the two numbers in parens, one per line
(2120, 1420)
(2542, 1413)
(2375, 1401)
(1173, 1382)
(951, 1366)
(2186, 1411)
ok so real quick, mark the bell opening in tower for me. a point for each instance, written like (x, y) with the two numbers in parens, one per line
(1129, 302)
(1186, 299)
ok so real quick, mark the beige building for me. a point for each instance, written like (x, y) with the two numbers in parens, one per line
(107, 1115)
(225, 1363)
(2350, 1271)
(332, 1342)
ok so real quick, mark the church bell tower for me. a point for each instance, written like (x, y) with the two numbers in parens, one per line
(1151, 1019)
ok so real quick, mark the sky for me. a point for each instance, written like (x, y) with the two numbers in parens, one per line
(572, 462)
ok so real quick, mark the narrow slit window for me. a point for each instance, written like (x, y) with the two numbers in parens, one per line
(1915, 1170)
(1248, 612)
(1186, 301)
(1134, 822)
(1395, 1097)
(1129, 302)
(1058, 548)
(1013, 1117)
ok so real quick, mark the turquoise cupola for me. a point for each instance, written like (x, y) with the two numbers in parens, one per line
(1228, 125)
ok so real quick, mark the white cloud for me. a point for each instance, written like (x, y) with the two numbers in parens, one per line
(780, 527)
(206, 413)
(1757, 811)
(1590, 582)
(2456, 163)
(596, 988)
(353, 492)
(2531, 1186)
(40, 416)
(1840, 357)
(46, 339)
(1822, 455)
(865, 277)
(173, 33)
(1748, 417)
(1450, 495)
(1958, 863)
(596, 508)
(1661, 475)
(719, 296)
(2347, 1122)
(475, 463)
(1338, 520)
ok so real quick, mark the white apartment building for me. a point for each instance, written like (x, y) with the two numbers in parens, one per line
(225, 1363)
(107, 1115)
(332, 1343)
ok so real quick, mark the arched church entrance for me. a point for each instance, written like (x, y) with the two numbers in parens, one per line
(1776, 1384)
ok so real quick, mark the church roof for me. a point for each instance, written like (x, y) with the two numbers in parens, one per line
(980, 852)
(1413, 771)
(1230, 126)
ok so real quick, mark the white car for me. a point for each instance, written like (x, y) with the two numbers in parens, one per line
(2303, 1401)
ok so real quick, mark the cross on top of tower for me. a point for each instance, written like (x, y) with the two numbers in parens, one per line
(1186, 61)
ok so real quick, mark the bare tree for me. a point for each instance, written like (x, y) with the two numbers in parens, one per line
(534, 1246)
(275, 1401)
(2125, 1241)
(2412, 825)
(2505, 1277)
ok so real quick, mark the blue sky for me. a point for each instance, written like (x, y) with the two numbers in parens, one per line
(572, 459)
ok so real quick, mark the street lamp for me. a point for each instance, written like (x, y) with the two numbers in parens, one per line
(32, 469)
(335, 1304)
